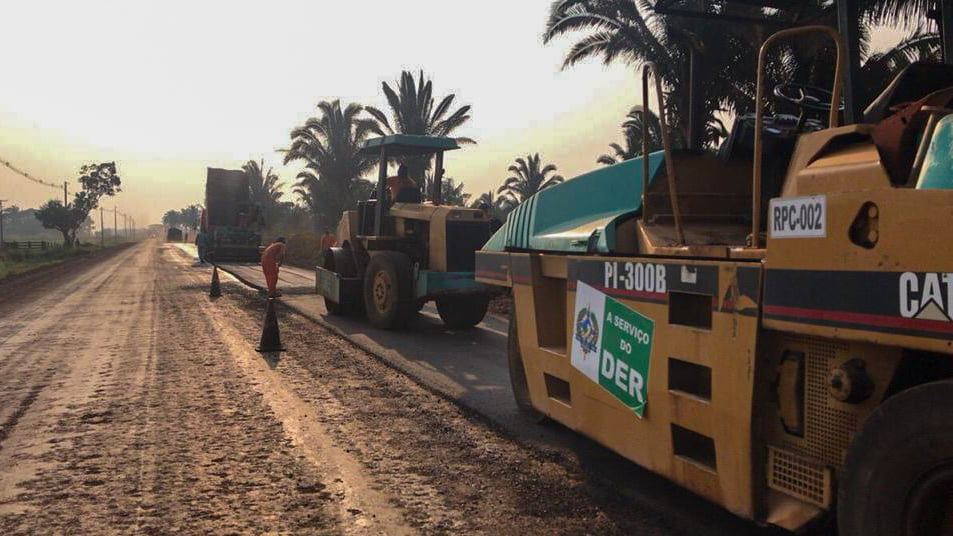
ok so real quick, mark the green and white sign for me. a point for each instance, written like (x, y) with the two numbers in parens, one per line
(612, 346)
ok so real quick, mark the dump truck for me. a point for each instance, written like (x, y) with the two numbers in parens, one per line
(174, 234)
(232, 222)
(769, 326)
(395, 257)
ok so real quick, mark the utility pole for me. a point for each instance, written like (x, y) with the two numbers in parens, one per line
(102, 229)
(65, 202)
(1, 222)
(115, 227)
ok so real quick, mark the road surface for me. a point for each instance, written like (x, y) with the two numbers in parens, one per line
(132, 403)
(470, 368)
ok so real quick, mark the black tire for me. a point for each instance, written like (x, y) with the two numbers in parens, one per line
(342, 264)
(462, 312)
(898, 477)
(518, 376)
(389, 290)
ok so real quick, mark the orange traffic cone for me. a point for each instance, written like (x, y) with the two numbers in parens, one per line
(270, 337)
(216, 290)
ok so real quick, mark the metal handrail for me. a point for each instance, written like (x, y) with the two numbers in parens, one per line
(666, 146)
(759, 112)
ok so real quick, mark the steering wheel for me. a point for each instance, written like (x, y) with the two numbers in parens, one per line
(805, 96)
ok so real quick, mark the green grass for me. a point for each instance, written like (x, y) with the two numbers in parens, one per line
(14, 261)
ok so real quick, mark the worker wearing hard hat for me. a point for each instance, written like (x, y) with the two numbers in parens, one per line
(271, 260)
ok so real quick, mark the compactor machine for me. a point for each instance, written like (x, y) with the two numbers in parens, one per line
(395, 257)
(771, 326)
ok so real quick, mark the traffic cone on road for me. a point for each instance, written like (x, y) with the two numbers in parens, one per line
(270, 337)
(216, 290)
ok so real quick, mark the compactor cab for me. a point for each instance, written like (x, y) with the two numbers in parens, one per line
(397, 254)
(769, 325)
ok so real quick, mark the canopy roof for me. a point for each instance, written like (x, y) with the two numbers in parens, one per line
(408, 145)
(776, 12)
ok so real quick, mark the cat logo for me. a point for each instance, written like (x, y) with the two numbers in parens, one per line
(926, 296)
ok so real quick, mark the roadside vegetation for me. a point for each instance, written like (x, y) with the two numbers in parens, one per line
(97, 181)
(19, 261)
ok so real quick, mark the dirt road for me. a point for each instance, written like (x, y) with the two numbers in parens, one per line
(131, 403)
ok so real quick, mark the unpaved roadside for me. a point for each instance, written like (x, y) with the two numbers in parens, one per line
(131, 419)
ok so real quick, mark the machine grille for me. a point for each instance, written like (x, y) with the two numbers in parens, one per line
(799, 477)
(828, 429)
(463, 240)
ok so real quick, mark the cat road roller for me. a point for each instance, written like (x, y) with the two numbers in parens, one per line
(769, 326)
(395, 257)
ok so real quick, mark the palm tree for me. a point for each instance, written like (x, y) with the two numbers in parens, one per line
(330, 145)
(413, 112)
(498, 207)
(726, 55)
(265, 188)
(632, 132)
(631, 31)
(528, 177)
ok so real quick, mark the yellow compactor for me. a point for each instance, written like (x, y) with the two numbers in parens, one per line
(770, 326)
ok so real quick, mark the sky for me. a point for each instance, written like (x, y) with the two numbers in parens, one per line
(168, 88)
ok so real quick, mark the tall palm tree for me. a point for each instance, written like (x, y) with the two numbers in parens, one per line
(631, 31)
(329, 145)
(726, 55)
(265, 188)
(413, 112)
(528, 177)
(632, 133)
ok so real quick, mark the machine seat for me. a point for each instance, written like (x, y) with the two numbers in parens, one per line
(912, 84)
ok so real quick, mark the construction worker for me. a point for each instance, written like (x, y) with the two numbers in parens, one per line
(271, 260)
(201, 243)
(328, 240)
(398, 183)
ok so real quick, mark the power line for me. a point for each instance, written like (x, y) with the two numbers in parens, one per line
(27, 176)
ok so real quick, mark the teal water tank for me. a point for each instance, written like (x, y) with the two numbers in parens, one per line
(937, 170)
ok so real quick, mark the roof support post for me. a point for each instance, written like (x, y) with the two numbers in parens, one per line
(696, 128)
(437, 194)
(848, 24)
(946, 30)
(381, 179)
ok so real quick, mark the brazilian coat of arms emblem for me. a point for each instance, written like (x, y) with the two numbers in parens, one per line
(587, 330)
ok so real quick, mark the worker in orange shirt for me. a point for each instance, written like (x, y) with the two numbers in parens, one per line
(271, 260)
(398, 183)
(328, 240)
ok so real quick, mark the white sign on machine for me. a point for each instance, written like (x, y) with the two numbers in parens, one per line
(798, 217)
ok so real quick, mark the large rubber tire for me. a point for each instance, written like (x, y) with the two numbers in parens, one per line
(389, 290)
(462, 312)
(352, 304)
(518, 376)
(898, 477)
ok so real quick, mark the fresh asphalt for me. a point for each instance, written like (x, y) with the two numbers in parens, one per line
(470, 368)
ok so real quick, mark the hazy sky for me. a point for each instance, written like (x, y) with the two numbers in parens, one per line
(168, 88)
